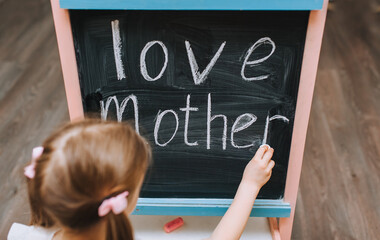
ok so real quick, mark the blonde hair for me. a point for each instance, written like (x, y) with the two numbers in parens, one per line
(82, 164)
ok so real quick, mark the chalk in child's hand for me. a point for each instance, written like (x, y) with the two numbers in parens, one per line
(173, 225)
(268, 147)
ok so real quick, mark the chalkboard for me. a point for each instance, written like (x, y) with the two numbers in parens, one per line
(206, 88)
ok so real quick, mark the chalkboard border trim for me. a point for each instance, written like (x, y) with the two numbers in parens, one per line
(207, 207)
(192, 5)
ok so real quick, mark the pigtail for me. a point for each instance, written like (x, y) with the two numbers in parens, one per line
(39, 217)
(119, 227)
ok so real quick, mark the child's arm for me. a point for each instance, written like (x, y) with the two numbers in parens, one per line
(256, 174)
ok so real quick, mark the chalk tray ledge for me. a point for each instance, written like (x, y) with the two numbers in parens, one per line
(207, 207)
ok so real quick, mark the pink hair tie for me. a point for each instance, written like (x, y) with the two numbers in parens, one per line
(30, 170)
(116, 204)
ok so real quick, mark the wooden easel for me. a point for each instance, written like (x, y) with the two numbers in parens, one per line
(281, 228)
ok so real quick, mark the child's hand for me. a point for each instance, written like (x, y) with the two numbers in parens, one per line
(256, 174)
(259, 169)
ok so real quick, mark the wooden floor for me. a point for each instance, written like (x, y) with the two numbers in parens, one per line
(339, 195)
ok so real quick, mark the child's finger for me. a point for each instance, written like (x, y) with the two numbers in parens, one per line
(260, 152)
(268, 155)
(270, 165)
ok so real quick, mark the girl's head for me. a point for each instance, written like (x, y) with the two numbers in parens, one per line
(83, 164)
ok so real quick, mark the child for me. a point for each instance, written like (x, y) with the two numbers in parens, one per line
(86, 178)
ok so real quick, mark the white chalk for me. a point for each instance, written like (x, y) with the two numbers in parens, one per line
(210, 119)
(285, 119)
(187, 109)
(143, 69)
(262, 145)
(117, 49)
(160, 115)
(257, 44)
(197, 76)
(242, 122)
(120, 109)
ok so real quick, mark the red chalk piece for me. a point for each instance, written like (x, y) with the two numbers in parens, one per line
(173, 225)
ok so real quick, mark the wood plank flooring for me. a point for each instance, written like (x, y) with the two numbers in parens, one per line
(339, 196)
(340, 183)
(32, 97)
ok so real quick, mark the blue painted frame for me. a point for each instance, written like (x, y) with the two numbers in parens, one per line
(207, 207)
(193, 5)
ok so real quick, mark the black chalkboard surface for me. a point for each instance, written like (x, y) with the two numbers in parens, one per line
(207, 88)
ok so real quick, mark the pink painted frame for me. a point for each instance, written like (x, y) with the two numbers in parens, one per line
(282, 228)
(68, 61)
(305, 95)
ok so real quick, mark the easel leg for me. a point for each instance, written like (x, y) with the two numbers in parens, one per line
(273, 225)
